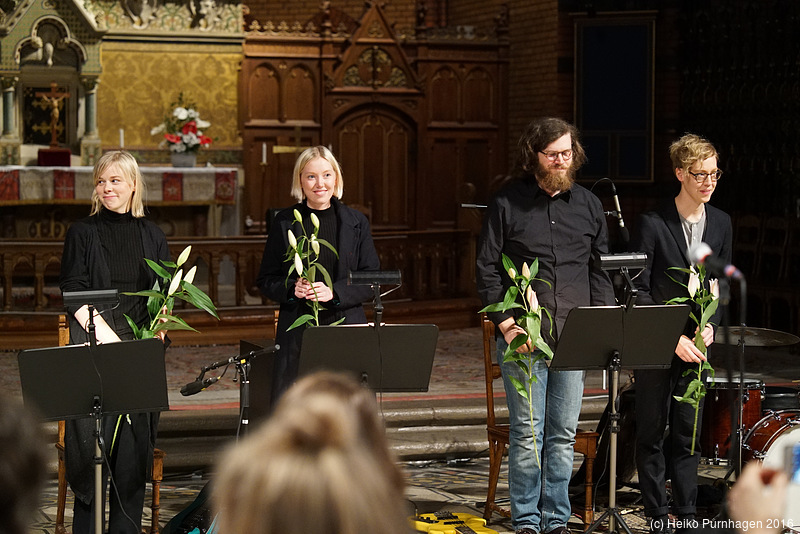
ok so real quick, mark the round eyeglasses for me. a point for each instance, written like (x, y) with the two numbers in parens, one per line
(552, 156)
(701, 177)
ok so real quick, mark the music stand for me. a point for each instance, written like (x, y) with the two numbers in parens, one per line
(77, 381)
(599, 338)
(394, 358)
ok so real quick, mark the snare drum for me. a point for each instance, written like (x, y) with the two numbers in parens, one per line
(715, 437)
(768, 439)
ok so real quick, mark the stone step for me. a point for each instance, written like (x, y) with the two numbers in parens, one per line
(418, 429)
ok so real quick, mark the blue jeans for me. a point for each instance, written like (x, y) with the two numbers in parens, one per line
(540, 497)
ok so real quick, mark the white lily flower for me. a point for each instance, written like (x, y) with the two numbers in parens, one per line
(202, 124)
(533, 300)
(190, 275)
(315, 220)
(315, 245)
(292, 238)
(297, 216)
(158, 129)
(714, 287)
(298, 264)
(526, 271)
(694, 282)
(512, 273)
(176, 281)
(181, 113)
(184, 255)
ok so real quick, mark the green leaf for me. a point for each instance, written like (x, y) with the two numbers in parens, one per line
(169, 264)
(340, 321)
(508, 264)
(300, 321)
(520, 387)
(325, 275)
(496, 307)
(137, 333)
(510, 300)
(173, 323)
(153, 293)
(199, 299)
(324, 243)
(160, 271)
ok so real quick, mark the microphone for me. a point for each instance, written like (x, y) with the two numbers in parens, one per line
(702, 253)
(623, 232)
(197, 386)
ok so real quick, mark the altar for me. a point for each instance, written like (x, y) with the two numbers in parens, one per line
(206, 191)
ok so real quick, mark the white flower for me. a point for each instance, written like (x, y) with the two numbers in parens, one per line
(512, 273)
(190, 275)
(292, 239)
(526, 271)
(158, 129)
(184, 255)
(533, 300)
(202, 124)
(297, 216)
(315, 220)
(314, 244)
(714, 287)
(694, 282)
(176, 281)
(181, 113)
(298, 264)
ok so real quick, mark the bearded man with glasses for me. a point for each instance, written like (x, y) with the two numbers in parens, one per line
(665, 235)
(543, 214)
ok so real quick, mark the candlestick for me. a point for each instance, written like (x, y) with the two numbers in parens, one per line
(264, 153)
(121, 138)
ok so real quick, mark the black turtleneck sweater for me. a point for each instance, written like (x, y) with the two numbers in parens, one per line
(122, 245)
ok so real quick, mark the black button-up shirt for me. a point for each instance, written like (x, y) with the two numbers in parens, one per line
(563, 232)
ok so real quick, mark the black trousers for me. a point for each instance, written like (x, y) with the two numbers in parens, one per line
(662, 455)
(129, 459)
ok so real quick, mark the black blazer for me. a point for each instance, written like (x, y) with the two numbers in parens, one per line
(659, 234)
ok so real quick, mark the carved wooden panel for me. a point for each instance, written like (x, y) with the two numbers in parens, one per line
(445, 95)
(299, 96)
(265, 83)
(479, 95)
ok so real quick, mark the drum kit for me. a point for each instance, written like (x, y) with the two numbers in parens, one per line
(768, 427)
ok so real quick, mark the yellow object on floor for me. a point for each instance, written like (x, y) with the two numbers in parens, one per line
(449, 523)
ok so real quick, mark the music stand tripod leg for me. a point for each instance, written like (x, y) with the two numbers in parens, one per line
(99, 512)
(612, 513)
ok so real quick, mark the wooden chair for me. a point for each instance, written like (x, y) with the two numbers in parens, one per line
(61, 502)
(585, 442)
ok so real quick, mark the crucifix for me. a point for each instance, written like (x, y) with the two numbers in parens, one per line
(289, 149)
(53, 100)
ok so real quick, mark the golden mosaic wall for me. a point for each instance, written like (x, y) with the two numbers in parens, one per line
(139, 82)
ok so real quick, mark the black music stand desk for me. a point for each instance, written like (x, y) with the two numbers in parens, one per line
(391, 358)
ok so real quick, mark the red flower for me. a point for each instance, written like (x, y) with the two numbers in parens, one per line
(205, 140)
(173, 138)
(190, 127)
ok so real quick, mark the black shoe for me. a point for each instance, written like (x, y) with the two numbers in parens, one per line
(525, 530)
(687, 524)
(660, 525)
(560, 530)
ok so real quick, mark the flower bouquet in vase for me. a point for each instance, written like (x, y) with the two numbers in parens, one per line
(182, 132)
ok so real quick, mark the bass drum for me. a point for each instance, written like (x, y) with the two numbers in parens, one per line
(768, 439)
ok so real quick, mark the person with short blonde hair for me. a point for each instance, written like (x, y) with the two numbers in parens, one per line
(128, 171)
(309, 468)
(317, 184)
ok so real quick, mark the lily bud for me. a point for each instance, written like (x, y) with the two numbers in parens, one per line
(714, 287)
(176, 281)
(694, 283)
(297, 216)
(315, 220)
(184, 255)
(533, 300)
(315, 245)
(526, 271)
(190, 275)
(292, 239)
(512, 273)
(298, 264)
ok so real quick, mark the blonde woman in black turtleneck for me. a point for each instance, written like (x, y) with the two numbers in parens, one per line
(104, 251)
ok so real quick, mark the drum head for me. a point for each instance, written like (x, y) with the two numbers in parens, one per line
(776, 454)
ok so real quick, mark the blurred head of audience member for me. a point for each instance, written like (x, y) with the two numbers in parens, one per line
(320, 464)
(23, 465)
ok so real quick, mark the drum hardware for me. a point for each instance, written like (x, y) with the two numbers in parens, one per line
(717, 436)
(766, 441)
(756, 337)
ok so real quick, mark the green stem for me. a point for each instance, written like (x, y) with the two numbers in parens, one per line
(697, 405)
(530, 408)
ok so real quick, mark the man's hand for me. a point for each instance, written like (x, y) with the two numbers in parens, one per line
(511, 330)
(687, 351)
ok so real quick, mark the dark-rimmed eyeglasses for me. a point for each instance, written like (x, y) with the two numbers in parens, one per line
(552, 156)
(701, 177)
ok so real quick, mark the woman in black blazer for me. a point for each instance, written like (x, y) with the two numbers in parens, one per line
(318, 186)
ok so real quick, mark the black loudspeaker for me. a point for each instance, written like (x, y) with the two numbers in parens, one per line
(260, 376)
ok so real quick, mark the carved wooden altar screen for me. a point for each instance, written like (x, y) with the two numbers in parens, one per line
(411, 114)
